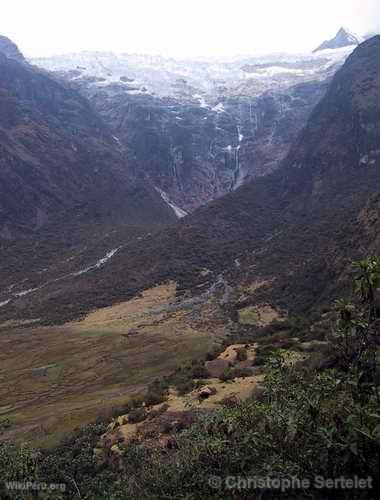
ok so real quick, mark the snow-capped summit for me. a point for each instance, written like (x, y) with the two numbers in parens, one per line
(344, 38)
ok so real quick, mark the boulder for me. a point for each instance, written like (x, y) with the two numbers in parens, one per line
(216, 367)
(206, 392)
(116, 450)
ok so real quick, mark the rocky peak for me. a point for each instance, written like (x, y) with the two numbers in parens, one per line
(344, 38)
(10, 49)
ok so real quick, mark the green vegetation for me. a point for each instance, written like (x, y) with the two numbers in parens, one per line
(184, 378)
(248, 316)
(226, 375)
(137, 415)
(5, 424)
(309, 421)
(157, 393)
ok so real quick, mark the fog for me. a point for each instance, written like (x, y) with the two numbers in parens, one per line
(181, 28)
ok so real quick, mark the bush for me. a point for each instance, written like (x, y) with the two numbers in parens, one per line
(136, 401)
(227, 375)
(263, 354)
(306, 426)
(16, 464)
(241, 372)
(137, 415)
(185, 387)
(230, 402)
(157, 393)
(159, 411)
(241, 354)
(5, 424)
(200, 371)
(116, 411)
(152, 399)
(260, 360)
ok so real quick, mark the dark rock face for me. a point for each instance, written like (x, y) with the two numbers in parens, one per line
(200, 137)
(342, 39)
(298, 228)
(10, 49)
(199, 153)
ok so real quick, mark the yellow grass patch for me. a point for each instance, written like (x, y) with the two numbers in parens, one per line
(239, 389)
(258, 315)
(53, 379)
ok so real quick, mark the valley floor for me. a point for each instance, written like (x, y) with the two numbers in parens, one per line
(53, 379)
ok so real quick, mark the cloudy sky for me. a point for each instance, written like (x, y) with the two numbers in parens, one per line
(181, 28)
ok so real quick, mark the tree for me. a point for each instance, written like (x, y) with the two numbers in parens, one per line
(367, 282)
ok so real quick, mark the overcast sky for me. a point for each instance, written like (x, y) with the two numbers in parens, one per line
(181, 27)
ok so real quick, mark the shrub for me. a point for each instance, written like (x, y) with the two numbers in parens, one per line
(159, 411)
(137, 415)
(229, 402)
(136, 401)
(226, 375)
(185, 387)
(152, 399)
(200, 371)
(157, 393)
(263, 354)
(260, 360)
(305, 426)
(241, 372)
(116, 411)
(5, 424)
(241, 354)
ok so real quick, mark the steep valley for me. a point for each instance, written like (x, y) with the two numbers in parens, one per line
(173, 236)
(293, 228)
(197, 130)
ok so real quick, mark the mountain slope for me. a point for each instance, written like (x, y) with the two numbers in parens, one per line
(10, 49)
(292, 230)
(56, 153)
(65, 182)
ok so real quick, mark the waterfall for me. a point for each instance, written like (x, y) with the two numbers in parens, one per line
(234, 159)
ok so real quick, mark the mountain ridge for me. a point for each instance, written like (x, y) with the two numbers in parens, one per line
(291, 230)
(65, 182)
(10, 49)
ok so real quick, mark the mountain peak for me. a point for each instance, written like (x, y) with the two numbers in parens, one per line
(343, 38)
(10, 49)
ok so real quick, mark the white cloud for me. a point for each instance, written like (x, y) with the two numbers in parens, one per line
(181, 27)
(368, 14)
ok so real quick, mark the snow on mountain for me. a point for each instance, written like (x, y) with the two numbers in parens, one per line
(197, 129)
(197, 79)
(344, 38)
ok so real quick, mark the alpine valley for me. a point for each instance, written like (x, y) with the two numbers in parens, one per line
(173, 236)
